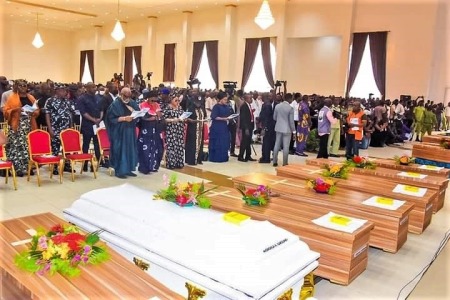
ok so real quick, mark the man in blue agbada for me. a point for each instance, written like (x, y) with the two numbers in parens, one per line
(121, 128)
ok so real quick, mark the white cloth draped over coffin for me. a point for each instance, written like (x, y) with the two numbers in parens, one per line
(253, 258)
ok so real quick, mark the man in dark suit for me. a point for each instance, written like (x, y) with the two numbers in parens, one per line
(268, 127)
(109, 97)
(246, 124)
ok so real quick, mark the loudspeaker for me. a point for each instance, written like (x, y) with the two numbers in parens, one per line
(405, 97)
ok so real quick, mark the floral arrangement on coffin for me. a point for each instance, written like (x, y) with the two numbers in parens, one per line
(361, 162)
(336, 171)
(255, 196)
(404, 160)
(62, 249)
(184, 194)
(445, 144)
(324, 186)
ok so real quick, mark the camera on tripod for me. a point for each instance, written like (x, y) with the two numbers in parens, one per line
(229, 85)
(193, 81)
(149, 74)
(279, 82)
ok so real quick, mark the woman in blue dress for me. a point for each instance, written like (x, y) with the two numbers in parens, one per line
(219, 137)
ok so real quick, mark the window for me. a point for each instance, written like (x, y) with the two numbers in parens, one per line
(258, 80)
(135, 69)
(365, 81)
(87, 76)
(204, 73)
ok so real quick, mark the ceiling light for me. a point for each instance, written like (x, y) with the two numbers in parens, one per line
(117, 32)
(37, 41)
(264, 19)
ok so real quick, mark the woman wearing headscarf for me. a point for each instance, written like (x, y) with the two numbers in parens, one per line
(21, 123)
(174, 134)
(150, 145)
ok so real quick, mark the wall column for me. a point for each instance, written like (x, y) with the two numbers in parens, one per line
(184, 52)
(97, 47)
(149, 49)
(227, 51)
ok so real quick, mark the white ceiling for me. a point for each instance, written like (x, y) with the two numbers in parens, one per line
(77, 14)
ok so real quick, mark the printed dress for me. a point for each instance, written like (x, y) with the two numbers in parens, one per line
(174, 139)
(60, 111)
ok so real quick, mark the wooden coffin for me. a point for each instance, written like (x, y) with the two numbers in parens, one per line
(430, 170)
(343, 256)
(390, 226)
(432, 182)
(432, 153)
(420, 215)
(256, 260)
(435, 139)
(114, 279)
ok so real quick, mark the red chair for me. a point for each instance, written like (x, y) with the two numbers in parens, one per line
(71, 146)
(40, 151)
(104, 145)
(7, 165)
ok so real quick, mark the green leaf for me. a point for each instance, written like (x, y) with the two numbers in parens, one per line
(92, 238)
(24, 262)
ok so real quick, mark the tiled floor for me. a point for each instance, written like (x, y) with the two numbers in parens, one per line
(385, 275)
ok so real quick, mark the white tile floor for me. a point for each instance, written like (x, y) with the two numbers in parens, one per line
(384, 277)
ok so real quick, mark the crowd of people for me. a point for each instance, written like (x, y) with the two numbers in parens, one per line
(228, 119)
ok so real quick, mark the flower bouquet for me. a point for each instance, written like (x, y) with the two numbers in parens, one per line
(445, 144)
(62, 250)
(324, 186)
(361, 162)
(336, 171)
(184, 194)
(255, 196)
(404, 160)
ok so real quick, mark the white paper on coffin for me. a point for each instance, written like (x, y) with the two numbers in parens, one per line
(188, 239)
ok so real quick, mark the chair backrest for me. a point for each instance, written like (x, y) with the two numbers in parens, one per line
(70, 141)
(4, 127)
(39, 142)
(103, 139)
(2, 152)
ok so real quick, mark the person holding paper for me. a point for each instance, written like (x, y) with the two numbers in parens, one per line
(21, 123)
(58, 115)
(219, 137)
(194, 132)
(121, 128)
(174, 135)
(150, 144)
(356, 121)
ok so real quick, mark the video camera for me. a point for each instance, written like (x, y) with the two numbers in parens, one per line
(118, 77)
(149, 74)
(229, 85)
(279, 82)
(193, 81)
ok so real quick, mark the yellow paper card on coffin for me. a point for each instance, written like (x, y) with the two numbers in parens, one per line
(340, 220)
(385, 201)
(431, 167)
(413, 174)
(235, 217)
(412, 189)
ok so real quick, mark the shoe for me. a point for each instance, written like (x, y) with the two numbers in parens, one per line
(19, 174)
(251, 159)
(275, 165)
(31, 173)
(261, 161)
(85, 167)
(69, 170)
(233, 155)
(131, 174)
(241, 159)
(301, 154)
(333, 155)
(55, 172)
(121, 176)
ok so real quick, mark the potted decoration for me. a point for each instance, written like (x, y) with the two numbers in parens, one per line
(184, 194)
(61, 249)
(323, 186)
(336, 171)
(361, 162)
(255, 196)
(404, 160)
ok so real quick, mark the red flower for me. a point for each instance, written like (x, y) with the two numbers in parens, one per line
(182, 200)
(323, 188)
(58, 239)
(358, 159)
(250, 192)
(57, 228)
(74, 240)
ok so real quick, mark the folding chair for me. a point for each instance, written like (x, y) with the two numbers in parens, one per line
(104, 145)
(7, 165)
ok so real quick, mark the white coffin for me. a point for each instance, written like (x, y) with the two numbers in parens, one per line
(253, 260)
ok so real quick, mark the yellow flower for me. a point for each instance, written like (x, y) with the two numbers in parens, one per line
(183, 186)
(335, 169)
(62, 250)
(328, 181)
(47, 254)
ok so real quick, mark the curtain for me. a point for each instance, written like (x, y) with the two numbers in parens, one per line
(128, 69)
(359, 42)
(137, 50)
(169, 63)
(90, 59)
(197, 52)
(265, 49)
(377, 42)
(212, 50)
(251, 45)
(82, 63)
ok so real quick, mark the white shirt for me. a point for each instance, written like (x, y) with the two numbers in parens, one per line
(295, 105)
(447, 111)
